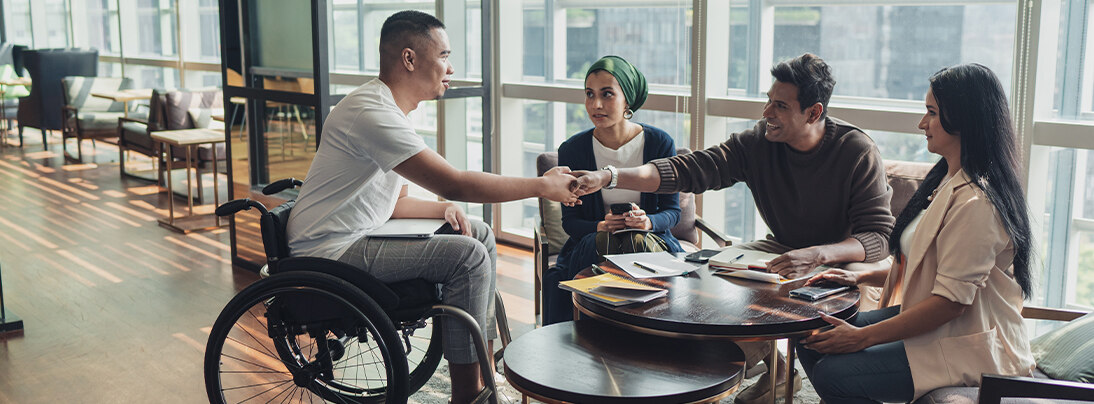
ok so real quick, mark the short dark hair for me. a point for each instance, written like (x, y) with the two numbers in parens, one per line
(811, 75)
(405, 29)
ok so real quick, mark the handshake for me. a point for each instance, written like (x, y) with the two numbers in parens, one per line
(563, 185)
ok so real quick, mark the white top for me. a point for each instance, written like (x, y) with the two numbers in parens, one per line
(909, 231)
(351, 189)
(627, 155)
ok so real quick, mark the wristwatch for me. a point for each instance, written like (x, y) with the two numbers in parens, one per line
(615, 176)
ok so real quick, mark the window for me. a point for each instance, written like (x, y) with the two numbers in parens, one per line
(17, 22)
(149, 27)
(96, 25)
(1061, 181)
(877, 51)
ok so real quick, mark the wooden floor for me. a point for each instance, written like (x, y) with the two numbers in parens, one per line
(116, 308)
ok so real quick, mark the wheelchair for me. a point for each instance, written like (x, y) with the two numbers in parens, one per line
(316, 329)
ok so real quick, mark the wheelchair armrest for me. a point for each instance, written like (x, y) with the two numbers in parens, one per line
(994, 387)
(378, 291)
(723, 240)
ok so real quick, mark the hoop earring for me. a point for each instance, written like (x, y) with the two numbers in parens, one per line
(628, 114)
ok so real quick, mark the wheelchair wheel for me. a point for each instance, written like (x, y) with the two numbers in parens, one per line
(422, 345)
(304, 337)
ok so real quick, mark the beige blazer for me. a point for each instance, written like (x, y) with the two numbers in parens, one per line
(961, 251)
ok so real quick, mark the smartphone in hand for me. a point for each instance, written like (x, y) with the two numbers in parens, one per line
(620, 208)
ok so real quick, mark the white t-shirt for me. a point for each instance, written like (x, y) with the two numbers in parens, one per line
(351, 188)
(627, 155)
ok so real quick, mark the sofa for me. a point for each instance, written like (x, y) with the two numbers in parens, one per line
(168, 110)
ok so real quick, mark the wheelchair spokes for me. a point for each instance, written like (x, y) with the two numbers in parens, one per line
(269, 352)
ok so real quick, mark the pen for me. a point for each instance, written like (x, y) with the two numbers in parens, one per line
(643, 266)
(735, 259)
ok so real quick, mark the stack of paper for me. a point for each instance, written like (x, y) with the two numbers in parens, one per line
(747, 264)
(613, 289)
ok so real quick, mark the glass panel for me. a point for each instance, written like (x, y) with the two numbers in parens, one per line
(57, 26)
(344, 45)
(17, 22)
(1074, 92)
(473, 47)
(97, 27)
(355, 32)
(902, 146)
(202, 79)
(881, 51)
(290, 139)
(656, 39)
(463, 139)
(1081, 275)
(424, 119)
(282, 33)
(732, 207)
(152, 76)
(154, 28)
(200, 30)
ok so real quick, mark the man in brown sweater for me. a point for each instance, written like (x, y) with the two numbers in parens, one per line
(818, 182)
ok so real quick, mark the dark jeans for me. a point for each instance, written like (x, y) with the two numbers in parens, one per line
(876, 374)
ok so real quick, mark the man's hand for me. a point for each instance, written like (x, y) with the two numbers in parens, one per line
(458, 219)
(591, 181)
(836, 275)
(560, 186)
(844, 338)
(795, 263)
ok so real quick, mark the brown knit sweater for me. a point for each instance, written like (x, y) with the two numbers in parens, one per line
(806, 199)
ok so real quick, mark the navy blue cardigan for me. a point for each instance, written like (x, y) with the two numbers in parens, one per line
(580, 220)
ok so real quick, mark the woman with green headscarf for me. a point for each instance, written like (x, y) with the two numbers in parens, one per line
(614, 90)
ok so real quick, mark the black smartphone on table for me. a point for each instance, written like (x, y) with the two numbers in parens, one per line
(818, 291)
(701, 256)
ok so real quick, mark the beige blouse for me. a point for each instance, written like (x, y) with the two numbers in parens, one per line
(961, 251)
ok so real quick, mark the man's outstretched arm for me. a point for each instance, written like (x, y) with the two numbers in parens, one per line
(642, 178)
(431, 171)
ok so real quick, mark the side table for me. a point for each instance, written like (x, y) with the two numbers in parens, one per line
(588, 361)
(189, 138)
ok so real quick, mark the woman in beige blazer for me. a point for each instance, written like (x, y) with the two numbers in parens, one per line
(963, 273)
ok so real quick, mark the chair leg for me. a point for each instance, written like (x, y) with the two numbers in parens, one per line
(121, 158)
(20, 136)
(45, 146)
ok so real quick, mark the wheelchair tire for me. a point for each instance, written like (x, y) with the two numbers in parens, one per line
(423, 355)
(302, 336)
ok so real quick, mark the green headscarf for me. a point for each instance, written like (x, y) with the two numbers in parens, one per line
(631, 81)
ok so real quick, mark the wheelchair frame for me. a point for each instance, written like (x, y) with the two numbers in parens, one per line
(295, 289)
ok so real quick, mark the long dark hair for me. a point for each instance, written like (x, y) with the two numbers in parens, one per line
(973, 106)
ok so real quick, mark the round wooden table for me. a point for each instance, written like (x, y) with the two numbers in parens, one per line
(589, 361)
(706, 306)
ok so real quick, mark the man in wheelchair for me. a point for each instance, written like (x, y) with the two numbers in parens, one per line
(358, 180)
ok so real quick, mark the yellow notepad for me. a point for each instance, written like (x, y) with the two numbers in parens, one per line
(613, 289)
